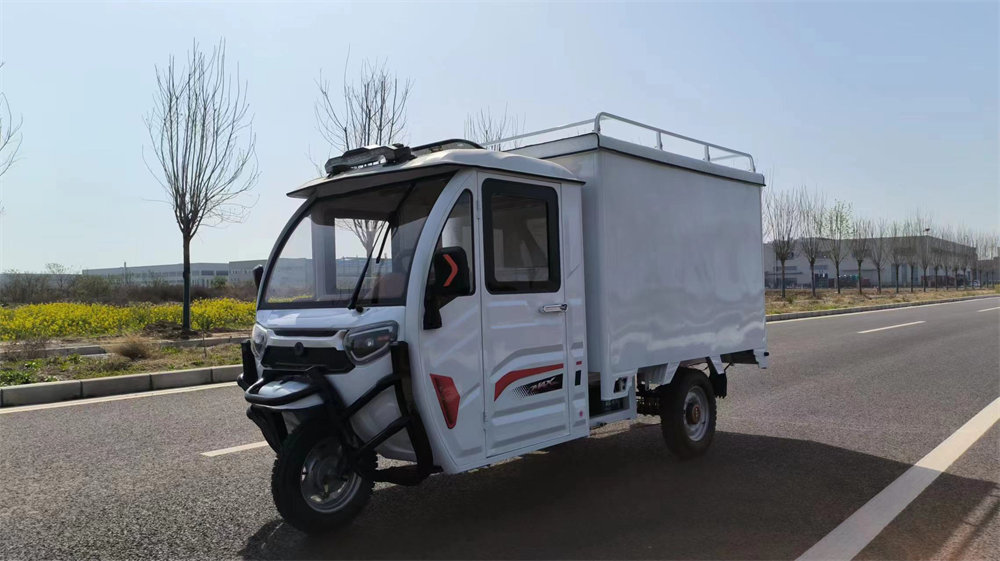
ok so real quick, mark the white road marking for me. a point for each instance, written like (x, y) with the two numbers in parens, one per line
(828, 316)
(239, 448)
(855, 533)
(990, 309)
(891, 327)
(88, 401)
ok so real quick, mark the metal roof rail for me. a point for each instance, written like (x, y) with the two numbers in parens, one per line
(729, 153)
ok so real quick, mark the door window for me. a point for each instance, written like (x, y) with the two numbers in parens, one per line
(458, 233)
(521, 237)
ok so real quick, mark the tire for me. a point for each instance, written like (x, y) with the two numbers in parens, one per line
(687, 428)
(306, 461)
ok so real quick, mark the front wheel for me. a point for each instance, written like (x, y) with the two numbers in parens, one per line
(311, 490)
(687, 414)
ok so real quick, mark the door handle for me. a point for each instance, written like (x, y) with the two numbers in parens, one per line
(553, 308)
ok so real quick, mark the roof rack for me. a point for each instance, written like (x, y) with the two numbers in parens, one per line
(450, 144)
(728, 153)
(367, 155)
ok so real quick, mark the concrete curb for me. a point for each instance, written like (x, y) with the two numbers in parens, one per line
(49, 392)
(839, 311)
(91, 349)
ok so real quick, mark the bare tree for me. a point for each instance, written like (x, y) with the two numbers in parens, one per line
(61, 277)
(486, 128)
(880, 249)
(10, 134)
(370, 110)
(812, 211)
(201, 133)
(860, 244)
(839, 229)
(783, 217)
(922, 228)
(898, 249)
(968, 259)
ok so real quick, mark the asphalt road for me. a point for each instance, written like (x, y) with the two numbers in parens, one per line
(801, 446)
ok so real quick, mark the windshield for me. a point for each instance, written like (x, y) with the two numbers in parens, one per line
(324, 254)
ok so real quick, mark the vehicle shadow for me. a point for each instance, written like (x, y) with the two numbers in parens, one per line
(621, 495)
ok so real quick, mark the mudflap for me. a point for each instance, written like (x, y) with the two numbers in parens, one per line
(719, 383)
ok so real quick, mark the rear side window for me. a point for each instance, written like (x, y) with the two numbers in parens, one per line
(521, 237)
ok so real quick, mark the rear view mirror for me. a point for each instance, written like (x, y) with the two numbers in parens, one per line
(449, 278)
(258, 274)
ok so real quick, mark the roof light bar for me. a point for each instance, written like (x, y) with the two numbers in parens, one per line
(367, 155)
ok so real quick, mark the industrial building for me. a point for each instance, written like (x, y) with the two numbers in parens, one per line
(939, 273)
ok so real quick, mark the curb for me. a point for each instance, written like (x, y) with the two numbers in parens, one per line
(839, 311)
(48, 392)
(92, 349)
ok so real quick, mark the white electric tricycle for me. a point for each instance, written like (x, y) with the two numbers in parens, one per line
(507, 301)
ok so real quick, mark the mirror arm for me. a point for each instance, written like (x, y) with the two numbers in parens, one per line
(432, 311)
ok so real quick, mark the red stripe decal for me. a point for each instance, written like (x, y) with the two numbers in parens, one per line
(579, 362)
(454, 269)
(515, 375)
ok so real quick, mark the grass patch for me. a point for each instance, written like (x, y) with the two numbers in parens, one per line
(828, 299)
(75, 367)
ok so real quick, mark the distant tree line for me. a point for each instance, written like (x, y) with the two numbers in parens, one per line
(802, 220)
(61, 284)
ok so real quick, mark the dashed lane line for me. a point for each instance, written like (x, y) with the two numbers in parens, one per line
(891, 327)
(233, 449)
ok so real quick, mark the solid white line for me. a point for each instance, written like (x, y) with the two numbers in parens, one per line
(891, 327)
(828, 316)
(989, 309)
(855, 533)
(239, 448)
(88, 401)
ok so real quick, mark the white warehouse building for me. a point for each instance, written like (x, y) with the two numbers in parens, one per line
(939, 271)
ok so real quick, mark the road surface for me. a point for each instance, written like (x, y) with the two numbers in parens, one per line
(850, 403)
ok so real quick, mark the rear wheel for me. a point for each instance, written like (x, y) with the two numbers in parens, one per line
(687, 414)
(312, 489)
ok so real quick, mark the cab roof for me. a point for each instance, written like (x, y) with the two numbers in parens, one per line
(434, 162)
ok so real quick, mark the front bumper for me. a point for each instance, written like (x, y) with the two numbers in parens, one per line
(267, 413)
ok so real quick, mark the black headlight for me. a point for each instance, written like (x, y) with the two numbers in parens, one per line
(368, 343)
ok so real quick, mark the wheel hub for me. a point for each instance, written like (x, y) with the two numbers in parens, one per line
(695, 420)
(324, 484)
(693, 413)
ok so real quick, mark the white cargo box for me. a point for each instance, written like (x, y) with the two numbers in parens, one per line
(672, 256)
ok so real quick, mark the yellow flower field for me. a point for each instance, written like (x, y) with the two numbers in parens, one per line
(66, 319)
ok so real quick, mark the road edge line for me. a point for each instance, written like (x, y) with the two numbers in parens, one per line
(92, 400)
(849, 538)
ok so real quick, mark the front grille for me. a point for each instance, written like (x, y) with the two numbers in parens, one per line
(302, 357)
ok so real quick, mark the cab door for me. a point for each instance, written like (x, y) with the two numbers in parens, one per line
(525, 360)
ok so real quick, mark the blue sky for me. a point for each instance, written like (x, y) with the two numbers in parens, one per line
(891, 106)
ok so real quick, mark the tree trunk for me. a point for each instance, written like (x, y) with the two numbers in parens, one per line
(924, 283)
(812, 275)
(782, 278)
(860, 291)
(836, 266)
(186, 308)
(878, 281)
(897, 278)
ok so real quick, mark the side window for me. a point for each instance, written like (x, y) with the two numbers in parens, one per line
(521, 237)
(458, 234)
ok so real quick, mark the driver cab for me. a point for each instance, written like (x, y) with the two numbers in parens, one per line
(475, 257)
